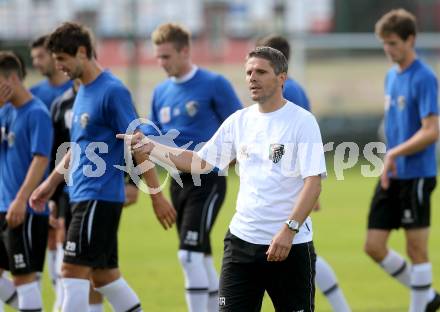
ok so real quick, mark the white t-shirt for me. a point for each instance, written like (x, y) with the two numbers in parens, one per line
(274, 151)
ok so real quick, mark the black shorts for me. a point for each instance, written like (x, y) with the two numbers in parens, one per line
(63, 205)
(197, 209)
(92, 236)
(22, 249)
(406, 203)
(246, 275)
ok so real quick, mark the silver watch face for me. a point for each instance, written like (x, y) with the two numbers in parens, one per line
(293, 225)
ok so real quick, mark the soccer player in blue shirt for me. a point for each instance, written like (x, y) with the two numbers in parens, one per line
(61, 112)
(195, 102)
(292, 91)
(25, 145)
(402, 196)
(102, 108)
(47, 90)
(56, 83)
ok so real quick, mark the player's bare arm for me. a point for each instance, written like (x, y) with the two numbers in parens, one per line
(45, 190)
(163, 209)
(282, 242)
(145, 149)
(17, 209)
(425, 136)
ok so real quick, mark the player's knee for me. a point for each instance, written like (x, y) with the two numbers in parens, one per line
(24, 279)
(376, 251)
(417, 253)
(102, 277)
(69, 270)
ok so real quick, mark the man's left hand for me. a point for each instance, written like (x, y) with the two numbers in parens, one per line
(280, 246)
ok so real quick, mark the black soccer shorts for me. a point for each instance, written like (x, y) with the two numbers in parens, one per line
(197, 209)
(23, 248)
(92, 236)
(406, 203)
(246, 275)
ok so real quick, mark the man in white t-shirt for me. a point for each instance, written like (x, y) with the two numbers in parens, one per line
(280, 155)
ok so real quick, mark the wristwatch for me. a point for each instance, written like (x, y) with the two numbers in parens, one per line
(293, 225)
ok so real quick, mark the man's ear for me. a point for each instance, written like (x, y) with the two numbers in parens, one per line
(282, 77)
(82, 52)
(412, 40)
(185, 51)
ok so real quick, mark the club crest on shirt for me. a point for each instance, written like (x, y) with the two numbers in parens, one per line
(276, 152)
(11, 139)
(192, 107)
(176, 111)
(84, 120)
(165, 114)
(401, 102)
(243, 152)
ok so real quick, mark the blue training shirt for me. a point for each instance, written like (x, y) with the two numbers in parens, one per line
(294, 93)
(48, 93)
(25, 132)
(410, 96)
(195, 107)
(102, 109)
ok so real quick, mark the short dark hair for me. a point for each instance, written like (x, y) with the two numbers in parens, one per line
(68, 37)
(399, 22)
(40, 42)
(170, 32)
(276, 59)
(277, 42)
(11, 63)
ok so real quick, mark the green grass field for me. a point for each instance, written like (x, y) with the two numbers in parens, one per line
(148, 253)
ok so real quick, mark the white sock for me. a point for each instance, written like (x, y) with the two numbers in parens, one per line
(328, 284)
(431, 294)
(421, 279)
(121, 296)
(59, 259)
(29, 297)
(397, 267)
(213, 284)
(196, 280)
(96, 307)
(76, 294)
(8, 293)
(59, 295)
(51, 265)
(59, 289)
